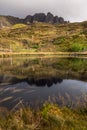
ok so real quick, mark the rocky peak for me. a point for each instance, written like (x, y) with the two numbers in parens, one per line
(49, 18)
(61, 20)
(41, 17)
(28, 19)
(56, 19)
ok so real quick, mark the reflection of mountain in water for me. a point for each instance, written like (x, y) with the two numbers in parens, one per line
(31, 81)
(65, 93)
(43, 82)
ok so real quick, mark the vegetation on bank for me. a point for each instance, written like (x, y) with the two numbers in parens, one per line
(49, 117)
(44, 37)
(39, 67)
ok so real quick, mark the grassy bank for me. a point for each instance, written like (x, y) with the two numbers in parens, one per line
(49, 117)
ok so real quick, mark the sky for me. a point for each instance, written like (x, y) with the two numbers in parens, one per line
(72, 10)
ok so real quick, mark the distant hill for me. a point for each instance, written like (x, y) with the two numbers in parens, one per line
(38, 17)
(9, 20)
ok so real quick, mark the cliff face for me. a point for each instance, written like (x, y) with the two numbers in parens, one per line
(38, 17)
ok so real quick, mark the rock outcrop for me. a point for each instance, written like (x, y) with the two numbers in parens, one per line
(41, 17)
(49, 18)
(38, 17)
(28, 19)
(56, 19)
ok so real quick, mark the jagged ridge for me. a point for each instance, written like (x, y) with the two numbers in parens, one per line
(39, 17)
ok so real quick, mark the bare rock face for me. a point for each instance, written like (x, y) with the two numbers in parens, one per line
(40, 17)
(49, 18)
(28, 19)
(61, 20)
(56, 19)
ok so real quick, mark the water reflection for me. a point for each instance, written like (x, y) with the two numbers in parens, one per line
(37, 79)
(64, 93)
(38, 82)
(44, 82)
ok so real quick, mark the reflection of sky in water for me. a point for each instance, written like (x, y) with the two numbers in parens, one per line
(10, 95)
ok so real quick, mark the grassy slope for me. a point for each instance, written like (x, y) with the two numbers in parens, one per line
(44, 37)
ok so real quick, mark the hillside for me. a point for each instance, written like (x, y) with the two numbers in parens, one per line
(6, 21)
(44, 37)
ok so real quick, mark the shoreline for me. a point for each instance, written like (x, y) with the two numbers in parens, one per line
(44, 54)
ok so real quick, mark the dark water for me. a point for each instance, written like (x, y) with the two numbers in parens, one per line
(36, 80)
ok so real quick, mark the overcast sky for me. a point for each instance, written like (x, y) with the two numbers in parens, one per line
(72, 10)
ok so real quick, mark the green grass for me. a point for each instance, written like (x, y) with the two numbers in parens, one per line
(16, 26)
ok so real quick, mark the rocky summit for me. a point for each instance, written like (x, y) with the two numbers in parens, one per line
(41, 17)
(37, 17)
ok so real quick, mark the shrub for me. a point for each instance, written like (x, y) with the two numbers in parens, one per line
(76, 48)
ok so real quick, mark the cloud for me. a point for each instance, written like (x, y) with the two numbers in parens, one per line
(73, 10)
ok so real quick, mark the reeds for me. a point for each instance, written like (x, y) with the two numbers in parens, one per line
(49, 117)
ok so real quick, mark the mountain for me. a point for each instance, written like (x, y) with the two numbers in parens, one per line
(41, 17)
(38, 17)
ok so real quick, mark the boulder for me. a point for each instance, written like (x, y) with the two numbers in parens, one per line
(49, 18)
(28, 19)
(40, 17)
(56, 19)
(61, 20)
